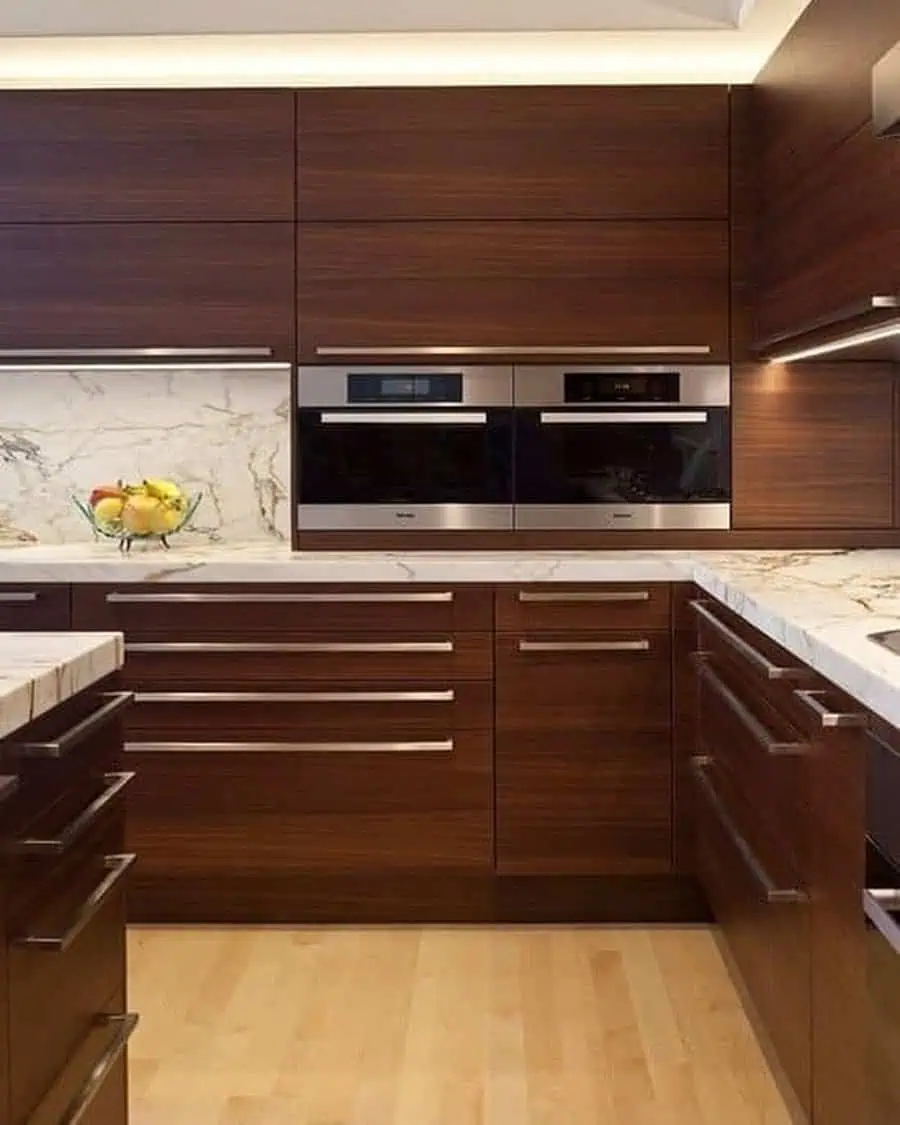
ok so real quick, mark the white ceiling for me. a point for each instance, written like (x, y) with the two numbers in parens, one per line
(243, 17)
(158, 43)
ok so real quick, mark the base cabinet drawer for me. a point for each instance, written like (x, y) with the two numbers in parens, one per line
(766, 928)
(34, 609)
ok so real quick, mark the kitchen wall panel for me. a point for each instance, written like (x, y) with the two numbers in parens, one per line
(504, 153)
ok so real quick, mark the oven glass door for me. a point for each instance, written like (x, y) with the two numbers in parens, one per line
(627, 456)
(406, 459)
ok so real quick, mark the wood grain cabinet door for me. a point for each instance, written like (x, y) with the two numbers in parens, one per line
(126, 285)
(502, 153)
(583, 754)
(512, 285)
(34, 609)
(146, 156)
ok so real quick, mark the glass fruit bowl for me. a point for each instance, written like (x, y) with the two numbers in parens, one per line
(150, 512)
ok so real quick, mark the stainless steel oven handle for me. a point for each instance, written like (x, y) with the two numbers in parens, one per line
(770, 670)
(510, 350)
(771, 891)
(767, 742)
(404, 418)
(880, 919)
(114, 785)
(125, 1026)
(617, 418)
(442, 596)
(117, 867)
(830, 720)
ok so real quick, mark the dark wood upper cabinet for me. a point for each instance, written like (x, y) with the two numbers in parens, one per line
(501, 153)
(517, 285)
(146, 156)
(175, 285)
(813, 446)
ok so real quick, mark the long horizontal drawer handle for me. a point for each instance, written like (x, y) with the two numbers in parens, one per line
(770, 670)
(512, 350)
(772, 893)
(605, 596)
(114, 784)
(116, 704)
(830, 720)
(125, 1026)
(412, 598)
(442, 746)
(137, 353)
(642, 645)
(879, 917)
(403, 418)
(16, 597)
(296, 696)
(617, 418)
(766, 741)
(293, 647)
(117, 867)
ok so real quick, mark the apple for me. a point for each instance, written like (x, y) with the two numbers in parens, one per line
(106, 492)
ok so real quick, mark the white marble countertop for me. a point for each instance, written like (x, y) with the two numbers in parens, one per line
(38, 671)
(820, 605)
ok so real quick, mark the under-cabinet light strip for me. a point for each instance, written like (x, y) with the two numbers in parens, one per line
(854, 339)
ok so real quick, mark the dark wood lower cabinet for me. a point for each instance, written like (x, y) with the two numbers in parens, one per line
(32, 609)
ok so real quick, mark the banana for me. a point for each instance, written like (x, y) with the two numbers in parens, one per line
(165, 490)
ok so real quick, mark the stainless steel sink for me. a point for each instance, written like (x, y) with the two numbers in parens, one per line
(889, 640)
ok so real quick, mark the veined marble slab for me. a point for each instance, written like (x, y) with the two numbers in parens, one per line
(38, 671)
(820, 605)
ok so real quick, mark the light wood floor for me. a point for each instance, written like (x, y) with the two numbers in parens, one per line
(441, 1027)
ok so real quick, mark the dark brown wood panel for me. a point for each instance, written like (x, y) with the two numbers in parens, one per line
(769, 944)
(500, 153)
(30, 609)
(262, 812)
(579, 608)
(685, 730)
(813, 446)
(394, 658)
(146, 156)
(272, 612)
(173, 285)
(583, 757)
(817, 89)
(531, 284)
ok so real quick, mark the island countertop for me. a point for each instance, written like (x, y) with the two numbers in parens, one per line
(820, 605)
(38, 671)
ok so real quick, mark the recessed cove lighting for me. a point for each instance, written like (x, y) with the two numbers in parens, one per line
(855, 339)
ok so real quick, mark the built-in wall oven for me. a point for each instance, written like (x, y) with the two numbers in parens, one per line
(417, 448)
(881, 904)
(623, 447)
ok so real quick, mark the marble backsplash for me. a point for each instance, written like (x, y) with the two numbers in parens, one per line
(223, 432)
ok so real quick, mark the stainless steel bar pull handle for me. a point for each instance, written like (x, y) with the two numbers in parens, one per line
(770, 670)
(830, 720)
(18, 597)
(118, 867)
(618, 418)
(312, 598)
(8, 786)
(766, 741)
(116, 704)
(403, 418)
(77, 1109)
(299, 647)
(115, 785)
(771, 892)
(642, 645)
(296, 696)
(543, 350)
(874, 905)
(137, 353)
(585, 596)
(440, 746)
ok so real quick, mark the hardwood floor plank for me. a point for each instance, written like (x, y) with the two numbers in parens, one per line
(437, 1026)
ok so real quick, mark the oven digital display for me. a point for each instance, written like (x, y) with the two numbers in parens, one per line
(606, 386)
(403, 388)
